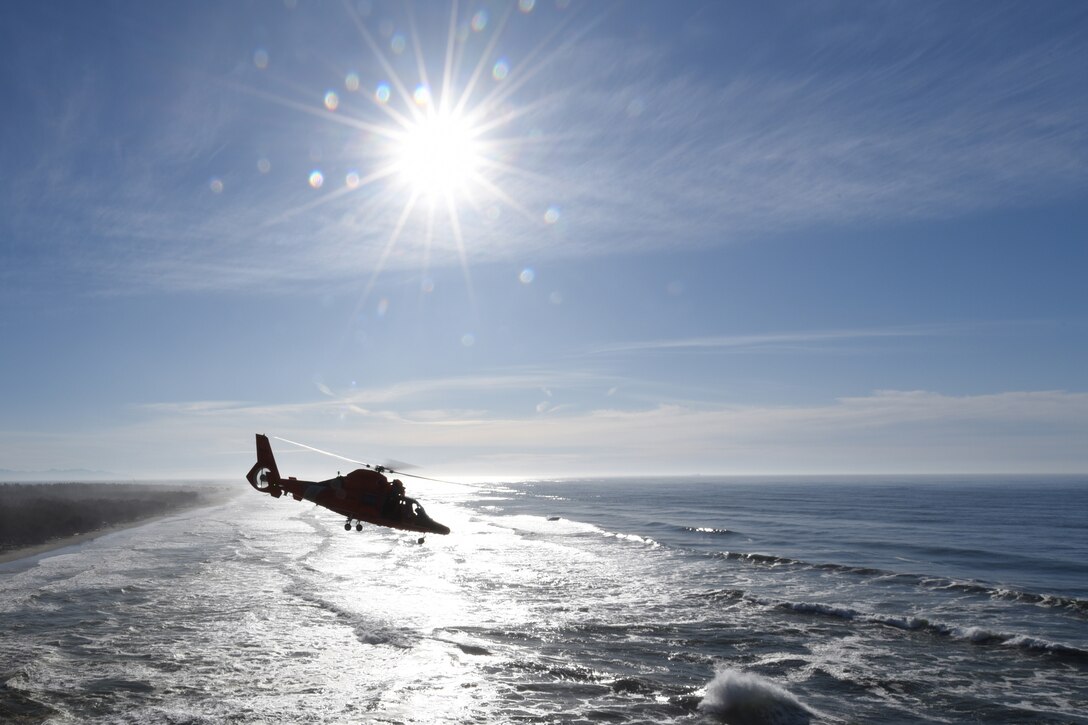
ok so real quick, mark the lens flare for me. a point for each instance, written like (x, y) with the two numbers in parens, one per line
(382, 93)
(422, 95)
(316, 179)
(332, 100)
(501, 70)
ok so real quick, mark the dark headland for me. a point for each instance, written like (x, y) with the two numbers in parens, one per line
(37, 517)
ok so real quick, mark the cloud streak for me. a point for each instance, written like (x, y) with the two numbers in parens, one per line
(889, 431)
(637, 148)
(919, 135)
(779, 340)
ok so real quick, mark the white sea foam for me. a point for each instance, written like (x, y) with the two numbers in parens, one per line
(545, 525)
(964, 633)
(742, 698)
(634, 538)
(269, 612)
(830, 610)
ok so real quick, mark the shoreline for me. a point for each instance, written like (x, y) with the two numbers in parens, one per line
(40, 550)
(27, 552)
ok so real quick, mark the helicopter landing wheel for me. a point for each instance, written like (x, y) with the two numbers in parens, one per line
(347, 526)
(358, 527)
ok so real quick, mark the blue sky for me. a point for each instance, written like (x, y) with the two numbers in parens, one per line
(545, 238)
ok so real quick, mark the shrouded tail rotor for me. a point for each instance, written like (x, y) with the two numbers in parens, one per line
(265, 476)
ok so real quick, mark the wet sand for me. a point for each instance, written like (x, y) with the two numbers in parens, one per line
(25, 552)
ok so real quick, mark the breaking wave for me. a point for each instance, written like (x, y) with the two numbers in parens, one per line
(560, 526)
(709, 530)
(635, 538)
(1000, 593)
(974, 635)
(741, 698)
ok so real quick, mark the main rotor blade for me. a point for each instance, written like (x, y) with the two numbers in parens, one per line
(425, 478)
(361, 463)
(327, 453)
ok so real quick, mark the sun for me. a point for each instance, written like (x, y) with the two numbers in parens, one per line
(438, 155)
(435, 164)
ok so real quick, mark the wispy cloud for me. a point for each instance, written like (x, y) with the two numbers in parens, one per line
(705, 155)
(889, 430)
(862, 122)
(780, 340)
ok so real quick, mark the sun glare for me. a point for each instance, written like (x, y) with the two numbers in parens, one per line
(448, 142)
(438, 155)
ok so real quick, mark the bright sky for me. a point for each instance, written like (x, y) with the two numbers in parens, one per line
(545, 238)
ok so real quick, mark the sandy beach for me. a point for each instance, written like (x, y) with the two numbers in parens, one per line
(26, 552)
(62, 542)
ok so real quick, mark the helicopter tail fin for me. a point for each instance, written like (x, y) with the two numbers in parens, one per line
(264, 476)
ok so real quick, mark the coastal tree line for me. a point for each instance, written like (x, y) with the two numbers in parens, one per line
(32, 514)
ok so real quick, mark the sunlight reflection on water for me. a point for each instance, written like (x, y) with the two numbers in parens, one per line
(264, 610)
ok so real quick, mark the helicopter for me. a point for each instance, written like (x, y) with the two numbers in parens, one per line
(365, 494)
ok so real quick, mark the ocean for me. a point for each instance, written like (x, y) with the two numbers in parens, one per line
(741, 600)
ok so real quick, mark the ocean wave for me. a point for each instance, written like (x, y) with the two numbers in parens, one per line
(971, 634)
(366, 631)
(632, 686)
(709, 530)
(725, 594)
(1055, 601)
(558, 525)
(848, 569)
(546, 525)
(765, 559)
(742, 698)
(467, 648)
(998, 593)
(1072, 605)
(21, 707)
(634, 538)
(829, 610)
(566, 672)
(910, 623)
(984, 636)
